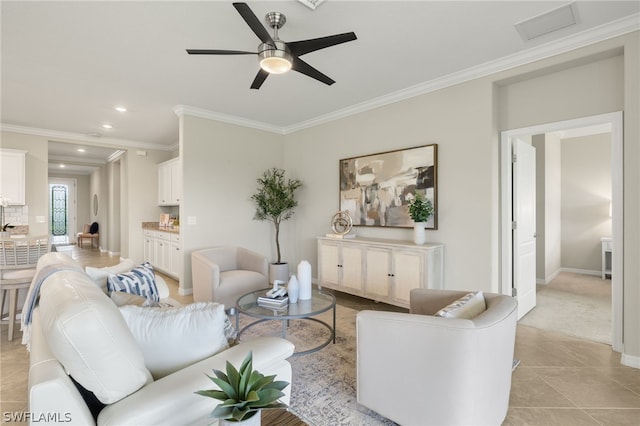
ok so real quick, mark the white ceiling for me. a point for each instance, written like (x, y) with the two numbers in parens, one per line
(66, 65)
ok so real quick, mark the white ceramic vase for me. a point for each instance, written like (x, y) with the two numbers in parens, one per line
(293, 289)
(419, 233)
(304, 280)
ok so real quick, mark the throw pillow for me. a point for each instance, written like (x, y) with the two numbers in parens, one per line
(467, 307)
(99, 275)
(173, 338)
(94, 228)
(140, 281)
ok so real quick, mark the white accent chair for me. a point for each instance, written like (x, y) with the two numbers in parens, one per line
(224, 274)
(418, 369)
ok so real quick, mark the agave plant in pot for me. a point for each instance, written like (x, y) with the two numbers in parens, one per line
(275, 201)
(420, 210)
(244, 393)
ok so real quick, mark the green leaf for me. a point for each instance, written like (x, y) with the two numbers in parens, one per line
(226, 388)
(279, 385)
(234, 379)
(213, 393)
(222, 412)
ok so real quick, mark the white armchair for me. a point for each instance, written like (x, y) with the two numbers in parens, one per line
(418, 369)
(223, 274)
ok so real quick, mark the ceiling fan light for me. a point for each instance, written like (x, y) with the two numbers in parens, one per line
(274, 61)
(275, 65)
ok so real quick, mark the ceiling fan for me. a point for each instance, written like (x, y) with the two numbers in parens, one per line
(277, 56)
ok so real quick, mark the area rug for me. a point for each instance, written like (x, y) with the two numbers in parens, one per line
(324, 383)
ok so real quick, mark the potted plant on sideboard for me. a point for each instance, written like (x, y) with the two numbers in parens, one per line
(275, 201)
(420, 210)
(244, 393)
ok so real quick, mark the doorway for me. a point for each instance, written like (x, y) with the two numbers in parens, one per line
(509, 281)
(62, 210)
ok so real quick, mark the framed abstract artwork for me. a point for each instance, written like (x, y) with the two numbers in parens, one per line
(376, 189)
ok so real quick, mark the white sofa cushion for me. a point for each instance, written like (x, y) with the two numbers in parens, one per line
(100, 275)
(172, 338)
(88, 335)
(467, 307)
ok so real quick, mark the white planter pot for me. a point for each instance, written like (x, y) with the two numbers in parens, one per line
(278, 271)
(255, 420)
(419, 233)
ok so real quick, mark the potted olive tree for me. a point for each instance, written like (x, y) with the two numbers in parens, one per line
(275, 201)
(420, 210)
(244, 393)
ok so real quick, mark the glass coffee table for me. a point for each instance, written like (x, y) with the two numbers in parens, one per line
(321, 301)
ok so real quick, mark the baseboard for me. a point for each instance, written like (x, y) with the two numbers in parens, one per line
(548, 279)
(113, 253)
(582, 271)
(185, 291)
(630, 360)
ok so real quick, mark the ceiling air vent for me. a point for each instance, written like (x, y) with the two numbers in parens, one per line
(547, 22)
(311, 4)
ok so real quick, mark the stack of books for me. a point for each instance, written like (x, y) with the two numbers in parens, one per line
(279, 302)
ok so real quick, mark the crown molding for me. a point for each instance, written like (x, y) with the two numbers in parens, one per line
(585, 38)
(181, 110)
(79, 137)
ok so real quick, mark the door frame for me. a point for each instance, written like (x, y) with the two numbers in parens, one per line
(613, 119)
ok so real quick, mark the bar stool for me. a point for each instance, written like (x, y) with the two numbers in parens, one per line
(18, 259)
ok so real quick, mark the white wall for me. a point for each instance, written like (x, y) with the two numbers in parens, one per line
(138, 198)
(553, 207)
(221, 163)
(459, 119)
(586, 195)
(548, 207)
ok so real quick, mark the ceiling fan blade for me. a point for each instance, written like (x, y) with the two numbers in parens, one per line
(306, 46)
(218, 52)
(306, 69)
(253, 22)
(260, 78)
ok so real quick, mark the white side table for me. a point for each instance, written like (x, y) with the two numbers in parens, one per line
(607, 247)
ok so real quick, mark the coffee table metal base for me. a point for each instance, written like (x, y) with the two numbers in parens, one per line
(285, 324)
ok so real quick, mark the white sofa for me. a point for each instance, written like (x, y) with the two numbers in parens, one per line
(77, 329)
(418, 369)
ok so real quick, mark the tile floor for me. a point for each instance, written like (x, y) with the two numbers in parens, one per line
(561, 380)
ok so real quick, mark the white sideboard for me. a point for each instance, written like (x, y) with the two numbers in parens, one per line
(379, 269)
(163, 251)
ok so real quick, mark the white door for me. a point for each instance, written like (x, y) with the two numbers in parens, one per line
(524, 232)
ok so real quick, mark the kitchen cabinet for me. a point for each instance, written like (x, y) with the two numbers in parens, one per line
(387, 270)
(170, 182)
(163, 251)
(13, 176)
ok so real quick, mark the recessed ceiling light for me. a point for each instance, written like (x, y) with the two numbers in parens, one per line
(62, 166)
(120, 109)
(81, 150)
(107, 126)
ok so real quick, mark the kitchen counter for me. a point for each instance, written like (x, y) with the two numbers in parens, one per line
(154, 226)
